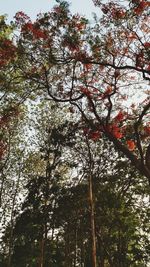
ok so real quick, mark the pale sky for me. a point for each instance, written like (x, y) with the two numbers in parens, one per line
(33, 7)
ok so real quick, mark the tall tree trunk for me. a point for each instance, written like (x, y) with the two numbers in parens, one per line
(10, 248)
(91, 202)
(82, 254)
(75, 248)
(67, 247)
(41, 259)
(92, 217)
(44, 237)
(43, 242)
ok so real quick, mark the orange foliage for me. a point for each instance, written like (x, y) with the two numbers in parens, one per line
(119, 117)
(131, 145)
(115, 131)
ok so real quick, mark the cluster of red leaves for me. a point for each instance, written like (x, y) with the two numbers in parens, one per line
(116, 131)
(131, 145)
(141, 60)
(95, 135)
(85, 91)
(131, 36)
(73, 45)
(91, 134)
(7, 51)
(114, 128)
(118, 13)
(119, 117)
(141, 5)
(82, 56)
(21, 18)
(88, 67)
(77, 23)
(80, 26)
(147, 131)
(147, 44)
(34, 30)
(71, 38)
(113, 11)
(24, 22)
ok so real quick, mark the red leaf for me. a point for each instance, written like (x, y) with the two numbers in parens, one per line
(118, 135)
(147, 44)
(147, 130)
(94, 135)
(119, 117)
(116, 131)
(131, 145)
(85, 91)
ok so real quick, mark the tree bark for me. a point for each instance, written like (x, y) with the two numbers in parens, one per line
(12, 219)
(92, 217)
(75, 247)
(41, 259)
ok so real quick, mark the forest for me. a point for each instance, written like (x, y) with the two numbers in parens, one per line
(75, 137)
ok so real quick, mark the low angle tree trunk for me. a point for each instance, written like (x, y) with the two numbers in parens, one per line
(92, 218)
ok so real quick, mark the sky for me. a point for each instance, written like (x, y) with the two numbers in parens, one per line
(33, 7)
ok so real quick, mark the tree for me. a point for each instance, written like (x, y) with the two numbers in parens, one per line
(56, 203)
(102, 70)
(46, 170)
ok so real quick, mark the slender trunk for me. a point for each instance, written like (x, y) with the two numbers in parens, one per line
(82, 256)
(92, 217)
(43, 246)
(41, 259)
(10, 246)
(12, 221)
(67, 250)
(91, 202)
(44, 238)
(75, 254)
